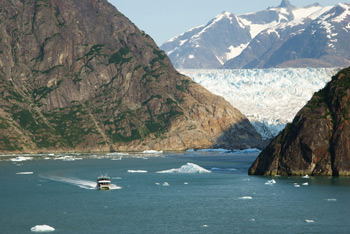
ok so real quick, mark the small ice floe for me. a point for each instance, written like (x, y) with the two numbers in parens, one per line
(205, 226)
(215, 150)
(270, 182)
(305, 184)
(68, 158)
(216, 169)
(186, 183)
(137, 171)
(21, 159)
(152, 152)
(157, 183)
(305, 177)
(247, 151)
(188, 168)
(117, 158)
(42, 228)
(331, 200)
(190, 150)
(296, 185)
(166, 184)
(25, 173)
(309, 221)
(252, 220)
(117, 154)
(245, 198)
(51, 154)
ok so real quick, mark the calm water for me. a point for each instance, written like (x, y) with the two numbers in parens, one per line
(60, 194)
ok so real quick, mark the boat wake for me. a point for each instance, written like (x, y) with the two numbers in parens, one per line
(84, 184)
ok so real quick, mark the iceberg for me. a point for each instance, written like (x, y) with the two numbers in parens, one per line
(247, 151)
(331, 200)
(137, 171)
(305, 184)
(21, 159)
(166, 184)
(305, 177)
(25, 173)
(188, 168)
(152, 152)
(245, 198)
(42, 228)
(309, 221)
(270, 182)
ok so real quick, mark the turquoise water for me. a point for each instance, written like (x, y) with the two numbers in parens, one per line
(60, 194)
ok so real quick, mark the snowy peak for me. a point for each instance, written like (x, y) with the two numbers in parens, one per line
(285, 4)
(276, 37)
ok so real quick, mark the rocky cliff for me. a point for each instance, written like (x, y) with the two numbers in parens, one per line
(79, 76)
(317, 141)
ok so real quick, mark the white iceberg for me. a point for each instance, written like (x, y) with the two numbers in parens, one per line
(42, 228)
(309, 221)
(25, 173)
(305, 184)
(137, 171)
(152, 152)
(21, 159)
(331, 200)
(270, 182)
(188, 168)
(166, 184)
(306, 177)
(245, 198)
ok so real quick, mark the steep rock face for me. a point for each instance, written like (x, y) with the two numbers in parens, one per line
(78, 75)
(317, 141)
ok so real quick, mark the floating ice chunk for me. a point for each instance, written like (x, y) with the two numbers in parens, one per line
(116, 153)
(331, 200)
(186, 183)
(157, 183)
(252, 220)
(68, 158)
(245, 198)
(189, 168)
(25, 173)
(216, 169)
(297, 185)
(205, 225)
(137, 171)
(42, 228)
(306, 177)
(309, 221)
(51, 154)
(166, 184)
(152, 152)
(215, 150)
(247, 151)
(190, 150)
(117, 159)
(270, 182)
(21, 159)
(305, 184)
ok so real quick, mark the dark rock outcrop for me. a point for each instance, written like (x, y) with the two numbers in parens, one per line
(79, 76)
(317, 142)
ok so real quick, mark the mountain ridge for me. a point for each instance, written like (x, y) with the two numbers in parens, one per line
(266, 35)
(64, 87)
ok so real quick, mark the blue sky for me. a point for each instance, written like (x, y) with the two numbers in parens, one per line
(164, 19)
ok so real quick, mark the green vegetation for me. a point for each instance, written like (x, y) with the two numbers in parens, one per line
(119, 57)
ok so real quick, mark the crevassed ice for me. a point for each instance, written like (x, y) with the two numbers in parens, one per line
(270, 98)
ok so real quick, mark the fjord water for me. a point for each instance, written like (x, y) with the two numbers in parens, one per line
(61, 194)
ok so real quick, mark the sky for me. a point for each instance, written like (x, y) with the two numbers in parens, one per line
(165, 19)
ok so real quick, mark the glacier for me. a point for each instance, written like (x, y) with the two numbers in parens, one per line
(270, 98)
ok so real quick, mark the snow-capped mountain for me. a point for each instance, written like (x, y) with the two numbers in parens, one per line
(321, 40)
(270, 98)
(280, 36)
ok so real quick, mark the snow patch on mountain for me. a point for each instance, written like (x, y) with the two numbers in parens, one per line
(270, 98)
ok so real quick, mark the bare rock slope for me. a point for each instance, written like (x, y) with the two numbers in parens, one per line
(317, 141)
(79, 76)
